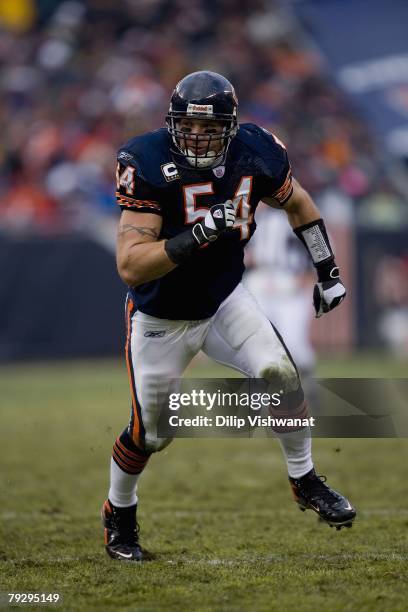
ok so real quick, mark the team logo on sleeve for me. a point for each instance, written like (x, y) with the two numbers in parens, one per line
(170, 172)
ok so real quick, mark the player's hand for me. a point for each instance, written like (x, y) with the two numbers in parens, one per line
(219, 218)
(327, 295)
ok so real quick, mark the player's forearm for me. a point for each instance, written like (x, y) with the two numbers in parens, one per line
(309, 227)
(144, 262)
(301, 209)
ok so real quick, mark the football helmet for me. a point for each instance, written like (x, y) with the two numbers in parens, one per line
(202, 96)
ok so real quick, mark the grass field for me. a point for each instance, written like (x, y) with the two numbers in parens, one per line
(217, 513)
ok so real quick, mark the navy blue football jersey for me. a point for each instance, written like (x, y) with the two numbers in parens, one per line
(148, 181)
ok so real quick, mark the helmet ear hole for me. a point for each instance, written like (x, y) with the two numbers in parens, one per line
(206, 96)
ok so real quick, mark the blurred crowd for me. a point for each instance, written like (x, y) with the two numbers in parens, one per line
(80, 77)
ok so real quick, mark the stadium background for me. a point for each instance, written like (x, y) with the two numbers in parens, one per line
(77, 79)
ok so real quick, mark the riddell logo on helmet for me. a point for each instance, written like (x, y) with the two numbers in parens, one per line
(206, 109)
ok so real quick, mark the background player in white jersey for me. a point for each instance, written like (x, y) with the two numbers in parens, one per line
(188, 195)
(279, 275)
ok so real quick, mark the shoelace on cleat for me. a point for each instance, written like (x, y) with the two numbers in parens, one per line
(317, 486)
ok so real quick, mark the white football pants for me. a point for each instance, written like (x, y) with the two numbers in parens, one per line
(239, 335)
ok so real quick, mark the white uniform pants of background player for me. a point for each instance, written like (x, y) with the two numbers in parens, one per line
(238, 335)
(284, 297)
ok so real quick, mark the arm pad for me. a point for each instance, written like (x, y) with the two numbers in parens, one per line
(315, 239)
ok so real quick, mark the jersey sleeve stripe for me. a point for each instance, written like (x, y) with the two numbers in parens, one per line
(285, 191)
(127, 201)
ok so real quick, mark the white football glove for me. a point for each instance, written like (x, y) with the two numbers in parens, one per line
(219, 218)
(327, 295)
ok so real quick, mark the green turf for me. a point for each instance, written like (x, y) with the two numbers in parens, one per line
(217, 513)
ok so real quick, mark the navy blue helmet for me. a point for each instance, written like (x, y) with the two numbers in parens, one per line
(209, 98)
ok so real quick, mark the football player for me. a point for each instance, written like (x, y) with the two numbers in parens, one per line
(188, 193)
(278, 276)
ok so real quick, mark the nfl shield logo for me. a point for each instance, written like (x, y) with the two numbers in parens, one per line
(219, 171)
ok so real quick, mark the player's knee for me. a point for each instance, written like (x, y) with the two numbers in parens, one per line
(281, 374)
(155, 445)
(283, 378)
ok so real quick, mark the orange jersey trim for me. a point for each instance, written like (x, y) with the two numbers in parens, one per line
(284, 192)
(133, 202)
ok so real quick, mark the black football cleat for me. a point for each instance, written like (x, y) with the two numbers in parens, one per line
(122, 533)
(311, 492)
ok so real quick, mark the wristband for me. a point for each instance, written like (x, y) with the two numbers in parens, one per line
(328, 271)
(180, 247)
(315, 239)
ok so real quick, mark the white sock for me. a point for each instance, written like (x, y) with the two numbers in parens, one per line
(297, 448)
(123, 487)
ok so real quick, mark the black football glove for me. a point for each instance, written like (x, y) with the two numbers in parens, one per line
(219, 218)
